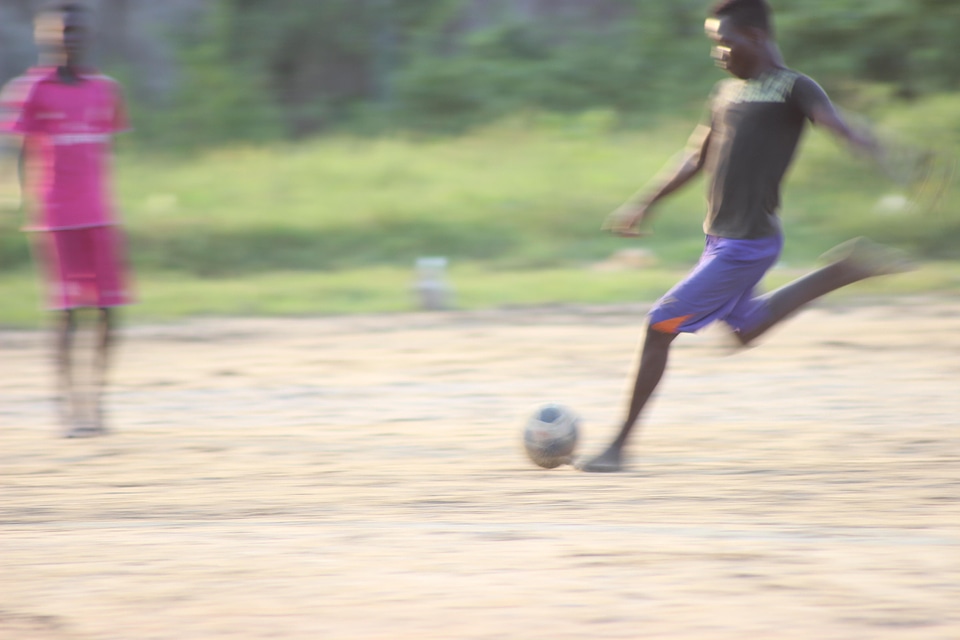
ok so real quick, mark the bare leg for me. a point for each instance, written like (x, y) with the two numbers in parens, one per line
(653, 362)
(106, 325)
(66, 393)
(856, 260)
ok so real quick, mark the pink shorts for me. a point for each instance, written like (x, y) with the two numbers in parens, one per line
(85, 267)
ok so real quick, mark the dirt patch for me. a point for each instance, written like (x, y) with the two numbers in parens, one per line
(362, 477)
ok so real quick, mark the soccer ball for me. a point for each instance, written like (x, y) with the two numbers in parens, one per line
(550, 435)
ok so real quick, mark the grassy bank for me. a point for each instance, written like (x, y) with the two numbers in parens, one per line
(528, 193)
(334, 225)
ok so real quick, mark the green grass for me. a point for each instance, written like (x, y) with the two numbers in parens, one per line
(525, 193)
(506, 194)
(334, 225)
(528, 193)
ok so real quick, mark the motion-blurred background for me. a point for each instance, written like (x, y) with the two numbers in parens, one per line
(298, 157)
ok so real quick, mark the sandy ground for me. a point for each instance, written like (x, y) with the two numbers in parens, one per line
(362, 478)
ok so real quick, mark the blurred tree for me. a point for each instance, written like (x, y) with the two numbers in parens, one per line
(906, 43)
(324, 58)
(451, 63)
(217, 98)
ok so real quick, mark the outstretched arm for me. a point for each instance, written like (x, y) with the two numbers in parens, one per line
(626, 220)
(826, 115)
(14, 122)
(818, 108)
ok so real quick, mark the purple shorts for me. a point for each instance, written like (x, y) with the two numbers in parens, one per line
(722, 287)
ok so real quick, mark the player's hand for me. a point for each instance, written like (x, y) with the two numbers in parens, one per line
(626, 220)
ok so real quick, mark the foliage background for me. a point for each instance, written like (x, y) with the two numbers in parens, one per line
(263, 69)
(347, 135)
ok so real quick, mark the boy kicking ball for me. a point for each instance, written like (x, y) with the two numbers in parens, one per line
(756, 119)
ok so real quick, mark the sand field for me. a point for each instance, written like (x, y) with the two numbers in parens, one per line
(362, 478)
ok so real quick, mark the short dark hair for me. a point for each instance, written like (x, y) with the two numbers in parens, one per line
(746, 13)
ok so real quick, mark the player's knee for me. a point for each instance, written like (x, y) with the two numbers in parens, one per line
(670, 326)
(659, 335)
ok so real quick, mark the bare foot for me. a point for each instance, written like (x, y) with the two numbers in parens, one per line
(610, 461)
(868, 258)
(99, 419)
(78, 424)
(82, 430)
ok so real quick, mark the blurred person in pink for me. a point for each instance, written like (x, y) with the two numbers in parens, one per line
(66, 114)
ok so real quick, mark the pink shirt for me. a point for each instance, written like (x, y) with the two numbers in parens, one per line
(68, 130)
